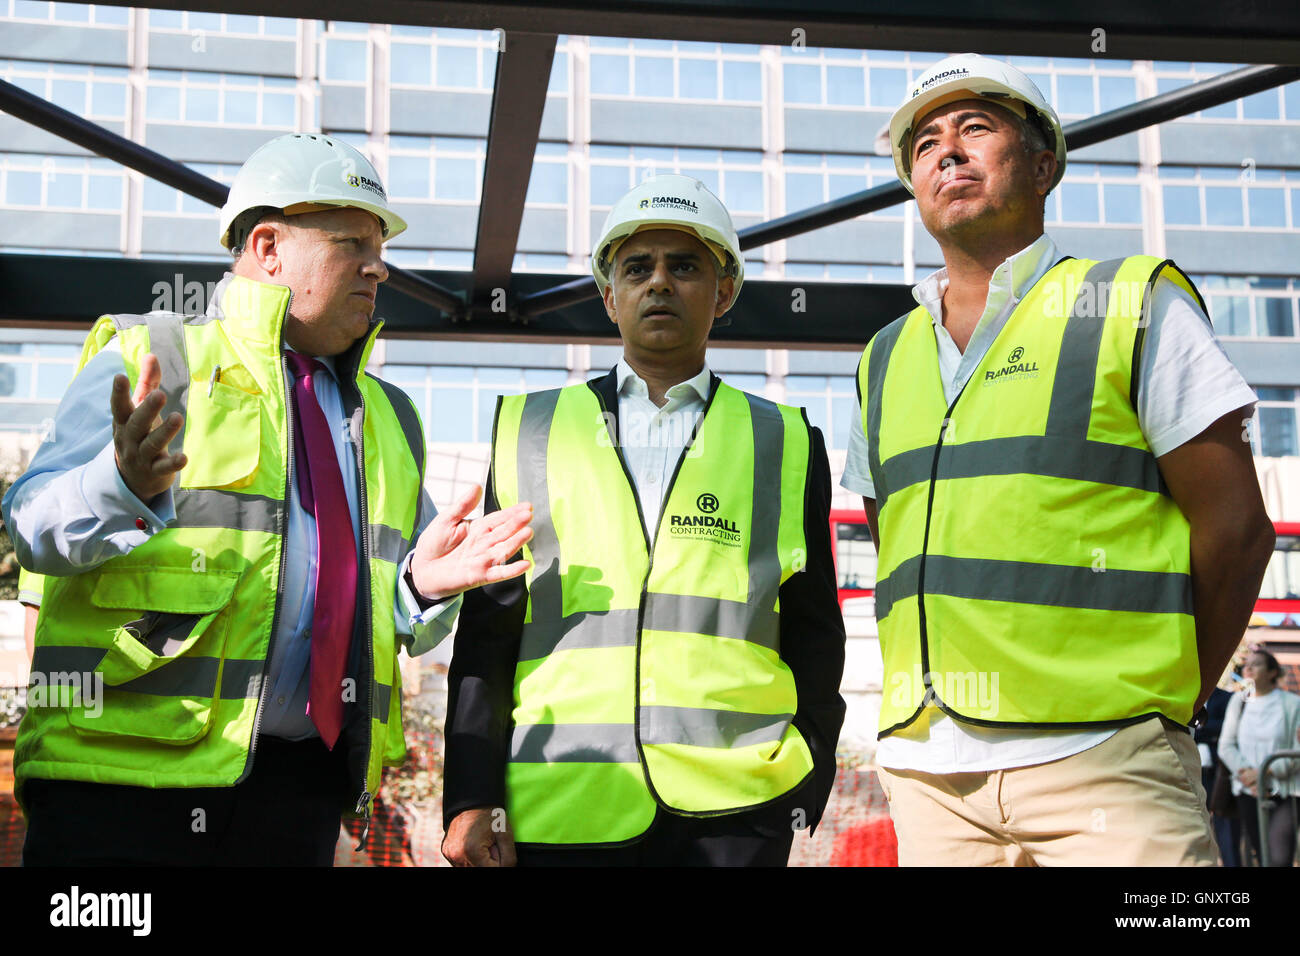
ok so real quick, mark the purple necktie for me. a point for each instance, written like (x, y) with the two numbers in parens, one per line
(320, 487)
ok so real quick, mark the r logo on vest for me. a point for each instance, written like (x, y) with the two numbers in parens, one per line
(705, 527)
(1014, 369)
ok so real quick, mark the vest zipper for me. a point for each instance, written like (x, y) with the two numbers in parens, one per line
(283, 533)
(650, 563)
(368, 635)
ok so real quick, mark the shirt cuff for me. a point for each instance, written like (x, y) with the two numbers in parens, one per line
(117, 507)
(429, 622)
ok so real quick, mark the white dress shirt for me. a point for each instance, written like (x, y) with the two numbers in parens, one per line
(653, 438)
(1186, 383)
(71, 511)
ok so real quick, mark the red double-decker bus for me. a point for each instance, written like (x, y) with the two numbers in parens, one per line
(1279, 594)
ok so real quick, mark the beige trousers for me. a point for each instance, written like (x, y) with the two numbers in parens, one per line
(1134, 800)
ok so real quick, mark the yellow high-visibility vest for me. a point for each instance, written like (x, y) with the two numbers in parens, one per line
(650, 668)
(1033, 568)
(177, 631)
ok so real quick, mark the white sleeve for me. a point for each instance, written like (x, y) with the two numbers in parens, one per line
(1187, 382)
(857, 470)
(71, 511)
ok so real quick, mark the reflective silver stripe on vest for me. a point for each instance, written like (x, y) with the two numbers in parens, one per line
(574, 743)
(383, 698)
(214, 508)
(167, 342)
(1071, 407)
(544, 594)
(765, 519)
(882, 347)
(1049, 457)
(1064, 452)
(1056, 585)
(183, 677)
(690, 614)
(387, 544)
(722, 729)
(584, 629)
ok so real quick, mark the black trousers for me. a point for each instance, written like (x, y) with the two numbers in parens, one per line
(758, 838)
(1281, 827)
(286, 813)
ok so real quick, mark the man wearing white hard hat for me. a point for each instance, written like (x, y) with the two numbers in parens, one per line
(663, 688)
(1070, 533)
(231, 519)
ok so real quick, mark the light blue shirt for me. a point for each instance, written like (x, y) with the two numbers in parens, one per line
(71, 511)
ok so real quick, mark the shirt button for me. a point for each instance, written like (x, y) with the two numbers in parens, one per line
(653, 480)
(280, 700)
(142, 524)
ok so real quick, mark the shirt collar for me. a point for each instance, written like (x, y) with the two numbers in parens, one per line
(630, 383)
(1014, 277)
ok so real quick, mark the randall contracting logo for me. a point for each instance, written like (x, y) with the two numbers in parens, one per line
(945, 75)
(1016, 368)
(705, 526)
(671, 202)
(364, 182)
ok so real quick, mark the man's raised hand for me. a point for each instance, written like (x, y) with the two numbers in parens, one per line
(455, 554)
(139, 439)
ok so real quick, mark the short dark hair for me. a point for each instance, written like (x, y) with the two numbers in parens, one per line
(244, 223)
(1270, 662)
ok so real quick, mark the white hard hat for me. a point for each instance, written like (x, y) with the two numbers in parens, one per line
(670, 202)
(971, 76)
(300, 168)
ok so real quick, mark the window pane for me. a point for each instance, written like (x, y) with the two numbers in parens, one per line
(844, 86)
(1074, 95)
(1275, 317)
(241, 23)
(607, 184)
(64, 189)
(549, 183)
(1277, 432)
(457, 66)
(698, 79)
(741, 81)
(559, 81)
(609, 75)
(408, 176)
(1079, 202)
(278, 109)
(72, 12)
(654, 76)
(163, 103)
(201, 105)
(345, 60)
(887, 86)
(70, 94)
(1262, 105)
(744, 191)
(16, 380)
(411, 63)
(157, 197)
(113, 16)
(802, 190)
(456, 179)
(803, 84)
(844, 184)
(1182, 205)
(1116, 91)
(108, 100)
(1231, 315)
(1222, 111)
(105, 192)
(241, 107)
(1223, 206)
(1123, 203)
(452, 415)
(164, 19)
(1267, 207)
(23, 188)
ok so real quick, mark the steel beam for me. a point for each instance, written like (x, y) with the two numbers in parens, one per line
(104, 142)
(1252, 31)
(518, 99)
(1126, 119)
(70, 291)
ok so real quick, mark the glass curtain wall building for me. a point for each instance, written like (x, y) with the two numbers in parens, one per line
(771, 130)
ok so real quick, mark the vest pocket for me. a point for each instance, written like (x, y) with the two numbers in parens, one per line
(223, 427)
(160, 671)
